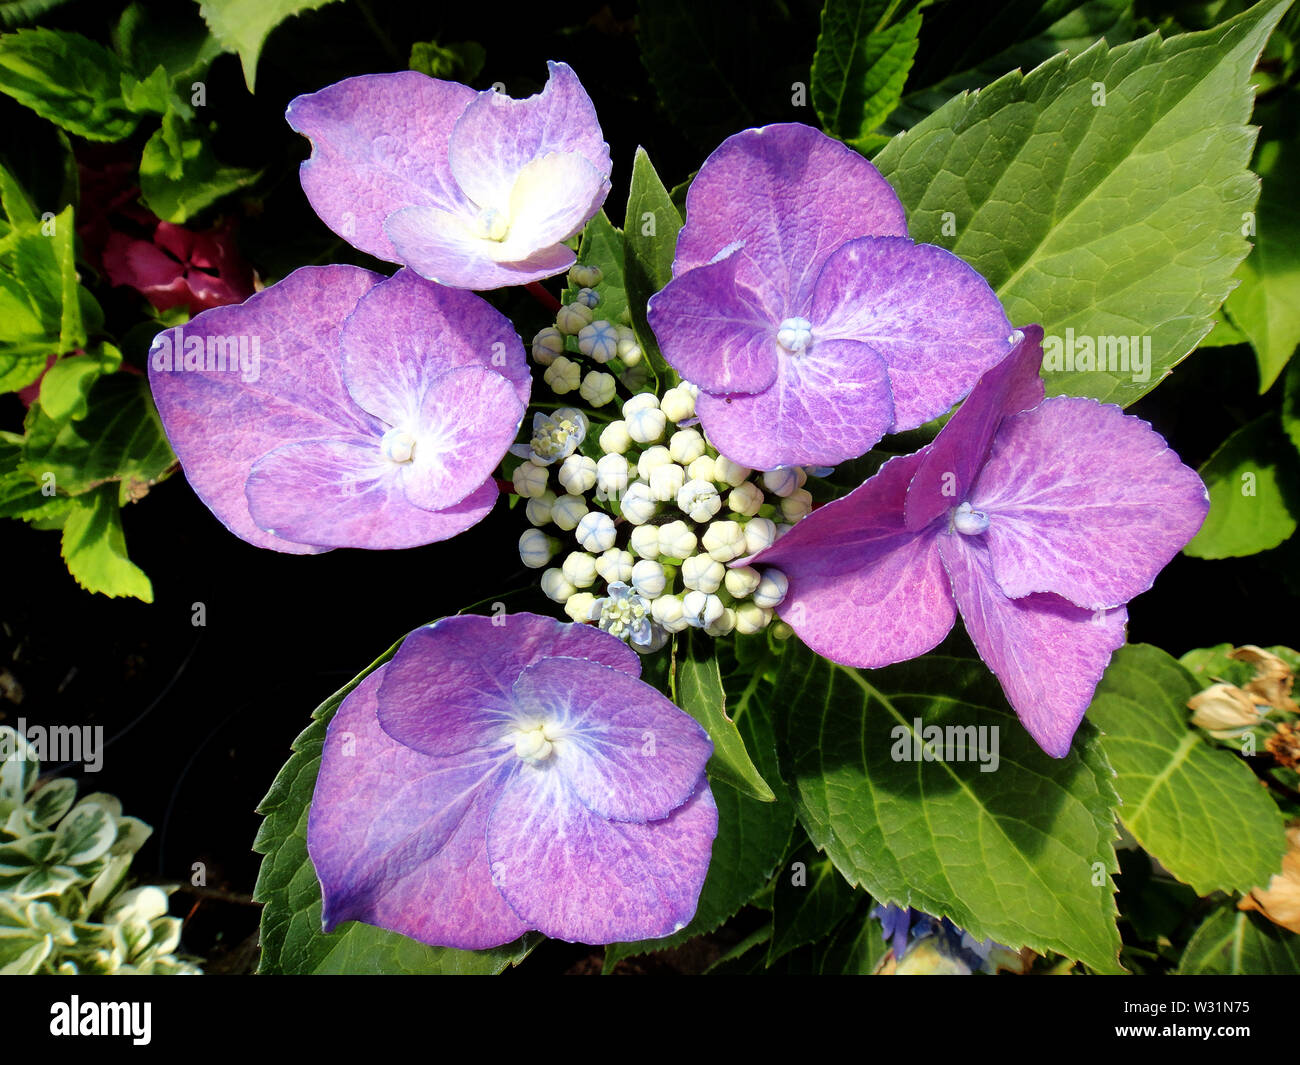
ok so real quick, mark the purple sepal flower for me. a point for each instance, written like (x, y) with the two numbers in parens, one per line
(471, 189)
(903, 928)
(809, 321)
(1038, 519)
(493, 779)
(340, 409)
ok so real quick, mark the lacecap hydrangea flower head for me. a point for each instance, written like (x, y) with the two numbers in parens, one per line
(810, 322)
(501, 775)
(338, 408)
(1036, 519)
(471, 189)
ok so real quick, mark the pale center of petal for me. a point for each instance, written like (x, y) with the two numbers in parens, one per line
(794, 334)
(493, 224)
(536, 741)
(968, 521)
(398, 445)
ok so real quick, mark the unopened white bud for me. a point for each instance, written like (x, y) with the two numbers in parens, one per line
(725, 623)
(666, 481)
(645, 541)
(652, 458)
(648, 579)
(797, 505)
(629, 349)
(578, 605)
(572, 317)
(638, 503)
(598, 388)
(678, 405)
(567, 511)
(746, 499)
(615, 565)
(742, 581)
(588, 297)
(699, 500)
(760, 533)
(781, 481)
(536, 548)
(578, 474)
(556, 585)
(585, 276)
(702, 573)
(611, 476)
(599, 340)
(771, 589)
(751, 618)
(646, 426)
(579, 569)
(668, 613)
(614, 439)
(724, 540)
(538, 509)
(546, 345)
(701, 469)
(596, 532)
(686, 446)
(563, 375)
(727, 472)
(641, 401)
(529, 480)
(701, 609)
(676, 540)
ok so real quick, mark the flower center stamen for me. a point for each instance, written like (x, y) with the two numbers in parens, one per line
(493, 224)
(794, 334)
(968, 521)
(398, 445)
(536, 742)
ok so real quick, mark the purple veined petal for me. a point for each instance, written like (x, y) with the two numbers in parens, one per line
(1084, 501)
(864, 591)
(449, 688)
(496, 137)
(572, 875)
(935, 320)
(345, 493)
(1047, 653)
(828, 403)
(407, 332)
(792, 195)
(952, 462)
(466, 422)
(626, 751)
(379, 143)
(712, 331)
(439, 246)
(220, 424)
(398, 839)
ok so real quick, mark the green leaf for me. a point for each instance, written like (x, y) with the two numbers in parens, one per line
(810, 899)
(1291, 404)
(68, 79)
(1194, 807)
(1234, 943)
(1254, 485)
(120, 440)
(700, 694)
(175, 37)
(94, 547)
(21, 12)
(242, 26)
(752, 836)
(863, 55)
(179, 175)
(1266, 306)
(602, 246)
(855, 948)
(292, 941)
(1110, 220)
(650, 235)
(462, 61)
(1224, 334)
(65, 388)
(1020, 854)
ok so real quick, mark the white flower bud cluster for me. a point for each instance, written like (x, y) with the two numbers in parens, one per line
(580, 338)
(659, 522)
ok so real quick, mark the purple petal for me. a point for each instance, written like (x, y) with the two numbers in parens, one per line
(344, 493)
(574, 876)
(450, 686)
(466, 423)
(219, 424)
(407, 332)
(1084, 501)
(497, 137)
(712, 331)
(627, 752)
(379, 143)
(935, 320)
(864, 591)
(791, 195)
(1047, 653)
(398, 839)
(951, 463)
(830, 402)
